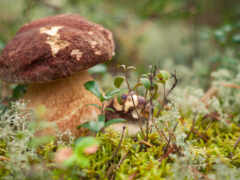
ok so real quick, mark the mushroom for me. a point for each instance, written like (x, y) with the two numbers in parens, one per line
(52, 56)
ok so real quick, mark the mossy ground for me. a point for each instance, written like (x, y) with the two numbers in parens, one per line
(206, 150)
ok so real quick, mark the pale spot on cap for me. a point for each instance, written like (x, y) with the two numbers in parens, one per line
(77, 54)
(53, 39)
(51, 31)
(98, 53)
(93, 43)
(90, 33)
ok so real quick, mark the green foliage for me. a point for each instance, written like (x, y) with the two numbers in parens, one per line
(92, 86)
(94, 126)
(114, 121)
(146, 83)
(118, 81)
(79, 157)
(209, 151)
(18, 91)
(163, 76)
(101, 123)
(98, 69)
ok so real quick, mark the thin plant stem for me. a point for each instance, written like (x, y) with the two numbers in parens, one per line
(135, 107)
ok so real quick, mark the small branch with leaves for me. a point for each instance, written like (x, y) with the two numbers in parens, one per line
(101, 122)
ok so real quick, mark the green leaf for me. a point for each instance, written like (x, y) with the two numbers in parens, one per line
(70, 161)
(98, 69)
(146, 83)
(18, 91)
(163, 76)
(114, 121)
(84, 142)
(112, 93)
(137, 85)
(109, 109)
(101, 118)
(236, 38)
(94, 126)
(118, 81)
(96, 105)
(79, 158)
(92, 86)
(155, 93)
(144, 76)
(82, 161)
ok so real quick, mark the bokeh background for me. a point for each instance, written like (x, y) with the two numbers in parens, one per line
(195, 38)
(199, 39)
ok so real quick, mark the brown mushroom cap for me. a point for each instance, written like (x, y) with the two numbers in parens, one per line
(53, 48)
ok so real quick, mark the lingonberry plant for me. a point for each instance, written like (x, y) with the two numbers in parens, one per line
(101, 122)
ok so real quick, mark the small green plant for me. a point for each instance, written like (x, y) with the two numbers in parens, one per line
(186, 139)
(101, 122)
(153, 88)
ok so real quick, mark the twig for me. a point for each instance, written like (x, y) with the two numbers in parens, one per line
(111, 168)
(174, 76)
(231, 85)
(150, 117)
(160, 132)
(171, 134)
(115, 167)
(192, 127)
(194, 170)
(236, 144)
(167, 153)
(201, 135)
(120, 142)
(145, 143)
(175, 127)
(3, 158)
(166, 94)
(194, 131)
(122, 159)
(135, 107)
(209, 94)
(126, 78)
(168, 142)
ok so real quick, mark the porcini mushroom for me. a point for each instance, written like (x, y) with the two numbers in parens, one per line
(52, 56)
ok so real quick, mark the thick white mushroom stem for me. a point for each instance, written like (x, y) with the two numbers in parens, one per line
(66, 101)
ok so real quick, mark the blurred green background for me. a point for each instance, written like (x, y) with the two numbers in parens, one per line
(192, 37)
